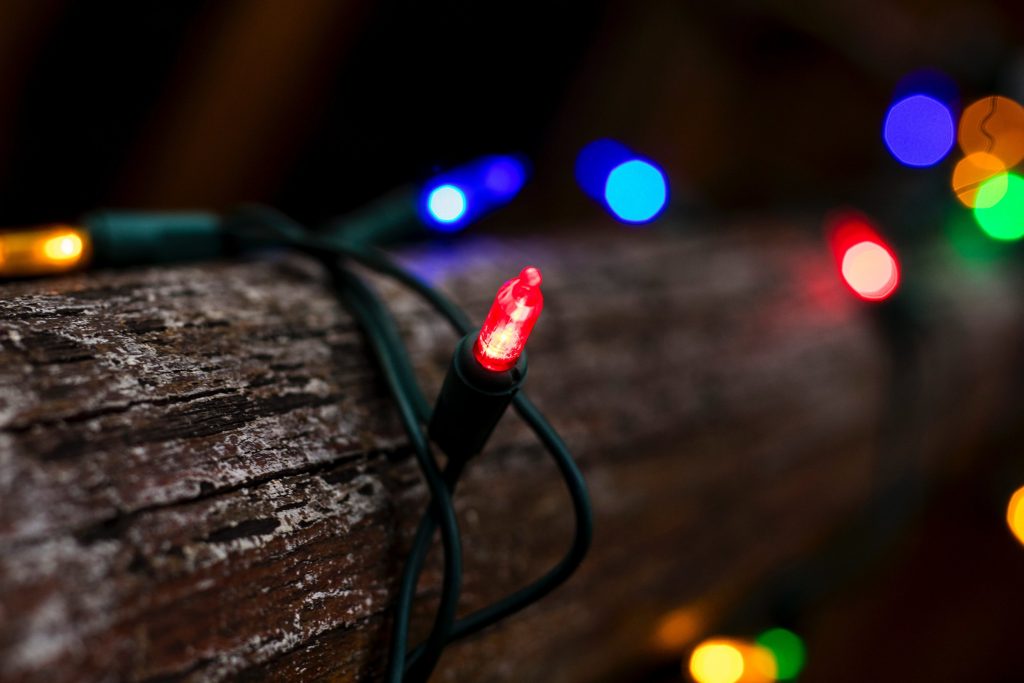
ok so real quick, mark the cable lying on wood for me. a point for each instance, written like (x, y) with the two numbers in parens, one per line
(471, 402)
(487, 371)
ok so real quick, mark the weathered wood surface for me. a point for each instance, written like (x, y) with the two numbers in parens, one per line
(201, 477)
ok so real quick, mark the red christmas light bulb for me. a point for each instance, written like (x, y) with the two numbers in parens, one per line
(508, 325)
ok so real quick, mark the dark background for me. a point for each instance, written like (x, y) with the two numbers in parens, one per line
(753, 108)
(319, 106)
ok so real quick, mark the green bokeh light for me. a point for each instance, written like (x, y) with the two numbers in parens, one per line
(975, 248)
(1001, 218)
(787, 649)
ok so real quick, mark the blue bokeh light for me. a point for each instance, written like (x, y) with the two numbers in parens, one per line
(636, 191)
(931, 82)
(454, 199)
(504, 176)
(446, 204)
(631, 187)
(919, 130)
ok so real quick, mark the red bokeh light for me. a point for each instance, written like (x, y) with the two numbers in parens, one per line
(866, 263)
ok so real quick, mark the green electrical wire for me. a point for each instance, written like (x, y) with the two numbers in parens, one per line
(385, 339)
(574, 480)
(444, 631)
(390, 350)
(536, 590)
(424, 657)
(388, 346)
(385, 326)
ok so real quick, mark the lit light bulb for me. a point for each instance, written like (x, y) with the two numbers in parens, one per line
(867, 265)
(993, 125)
(42, 250)
(787, 651)
(716, 661)
(974, 171)
(722, 660)
(507, 328)
(446, 203)
(678, 628)
(636, 191)
(456, 198)
(999, 209)
(870, 270)
(66, 247)
(631, 187)
(1015, 514)
(919, 130)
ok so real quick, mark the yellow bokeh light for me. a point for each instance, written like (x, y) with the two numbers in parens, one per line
(716, 661)
(1015, 514)
(64, 247)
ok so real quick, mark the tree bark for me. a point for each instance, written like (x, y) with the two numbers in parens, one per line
(202, 477)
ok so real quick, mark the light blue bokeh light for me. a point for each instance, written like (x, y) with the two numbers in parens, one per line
(636, 191)
(446, 204)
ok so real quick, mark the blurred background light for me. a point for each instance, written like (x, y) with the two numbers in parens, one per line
(1000, 207)
(729, 660)
(787, 650)
(455, 198)
(919, 130)
(677, 629)
(866, 264)
(636, 191)
(976, 250)
(43, 249)
(446, 204)
(974, 170)
(631, 187)
(870, 270)
(994, 125)
(1015, 514)
(65, 247)
(505, 176)
(716, 661)
(931, 82)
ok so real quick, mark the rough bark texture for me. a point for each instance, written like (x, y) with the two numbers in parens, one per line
(201, 477)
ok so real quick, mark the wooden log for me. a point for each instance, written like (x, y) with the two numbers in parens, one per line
(202, 478)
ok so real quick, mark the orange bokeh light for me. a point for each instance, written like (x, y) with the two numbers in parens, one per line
(677, 629)
(994, 125)
(1015, 514)
(42, 250)
(63, 247)
(972, 171)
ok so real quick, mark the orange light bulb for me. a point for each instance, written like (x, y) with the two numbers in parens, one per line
(42, 250)
(1015, 514)
(63, 248)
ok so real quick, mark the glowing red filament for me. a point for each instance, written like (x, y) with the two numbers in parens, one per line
(508, 325)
